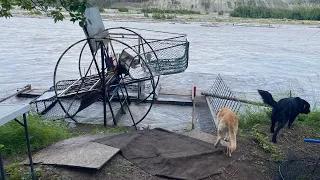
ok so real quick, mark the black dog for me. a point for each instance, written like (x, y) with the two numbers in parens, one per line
(286, 110)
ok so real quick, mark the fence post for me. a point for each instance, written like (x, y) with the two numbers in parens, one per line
(290, 95)
(193, 97)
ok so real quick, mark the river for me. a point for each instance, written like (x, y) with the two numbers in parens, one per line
(278, 59)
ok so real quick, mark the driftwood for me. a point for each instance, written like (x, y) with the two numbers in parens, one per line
(233, 99)
(26, 88)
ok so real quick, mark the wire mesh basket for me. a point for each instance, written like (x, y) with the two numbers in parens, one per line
(172, 56)
(165, 53)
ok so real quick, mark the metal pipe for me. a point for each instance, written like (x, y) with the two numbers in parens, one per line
(233, 99)
(103, 87)
(28, 145)
(3, 175)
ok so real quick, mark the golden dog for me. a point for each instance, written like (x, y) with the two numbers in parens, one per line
(227, 123)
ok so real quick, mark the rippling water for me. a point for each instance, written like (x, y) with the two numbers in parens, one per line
(277, 59)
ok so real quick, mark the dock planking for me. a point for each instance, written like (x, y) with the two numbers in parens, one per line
(32, 93)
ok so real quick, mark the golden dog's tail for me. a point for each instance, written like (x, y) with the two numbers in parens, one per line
(233, 140)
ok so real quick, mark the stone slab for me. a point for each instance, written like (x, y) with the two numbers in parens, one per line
(77, 152)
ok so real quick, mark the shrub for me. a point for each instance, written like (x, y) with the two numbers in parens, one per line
(168, 11)
(123, 9)
(35, 12)
(171, 16)
(162, 16)
(101, 10)
(220, 13)
(158, 16)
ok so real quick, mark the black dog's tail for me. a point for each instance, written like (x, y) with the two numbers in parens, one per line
(267, 97)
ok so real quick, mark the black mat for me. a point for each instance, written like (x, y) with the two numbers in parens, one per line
(171, 155)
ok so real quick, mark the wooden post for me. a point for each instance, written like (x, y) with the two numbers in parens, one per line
(193, 97)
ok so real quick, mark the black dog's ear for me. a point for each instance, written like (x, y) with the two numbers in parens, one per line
(300, 101)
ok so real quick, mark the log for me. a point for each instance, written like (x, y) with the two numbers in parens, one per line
(26, 88)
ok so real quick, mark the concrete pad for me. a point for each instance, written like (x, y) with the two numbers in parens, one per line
(205, 137)
(211, 111)
(180, 92)
(169, 117)
(169, 99)
(77, 152)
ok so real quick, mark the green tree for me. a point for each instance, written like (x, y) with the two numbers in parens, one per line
(52, 8)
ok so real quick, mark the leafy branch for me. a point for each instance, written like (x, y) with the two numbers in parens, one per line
(52, 8)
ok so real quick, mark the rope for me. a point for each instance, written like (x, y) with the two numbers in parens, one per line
(298, 159)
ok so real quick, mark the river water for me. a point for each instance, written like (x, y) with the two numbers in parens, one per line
(248, 58)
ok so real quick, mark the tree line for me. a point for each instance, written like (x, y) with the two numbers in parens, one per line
(298, 13)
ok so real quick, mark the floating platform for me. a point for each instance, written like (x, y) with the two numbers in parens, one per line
(172, 110)
(165, 96)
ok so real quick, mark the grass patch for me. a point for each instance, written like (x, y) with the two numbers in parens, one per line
(162, 16)
(297, 13)
(42, 133)
(17, 171)
(123, 9)
(257, 133)
(254, 124)
(310, 121)
(250, 118)
(168, 11)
